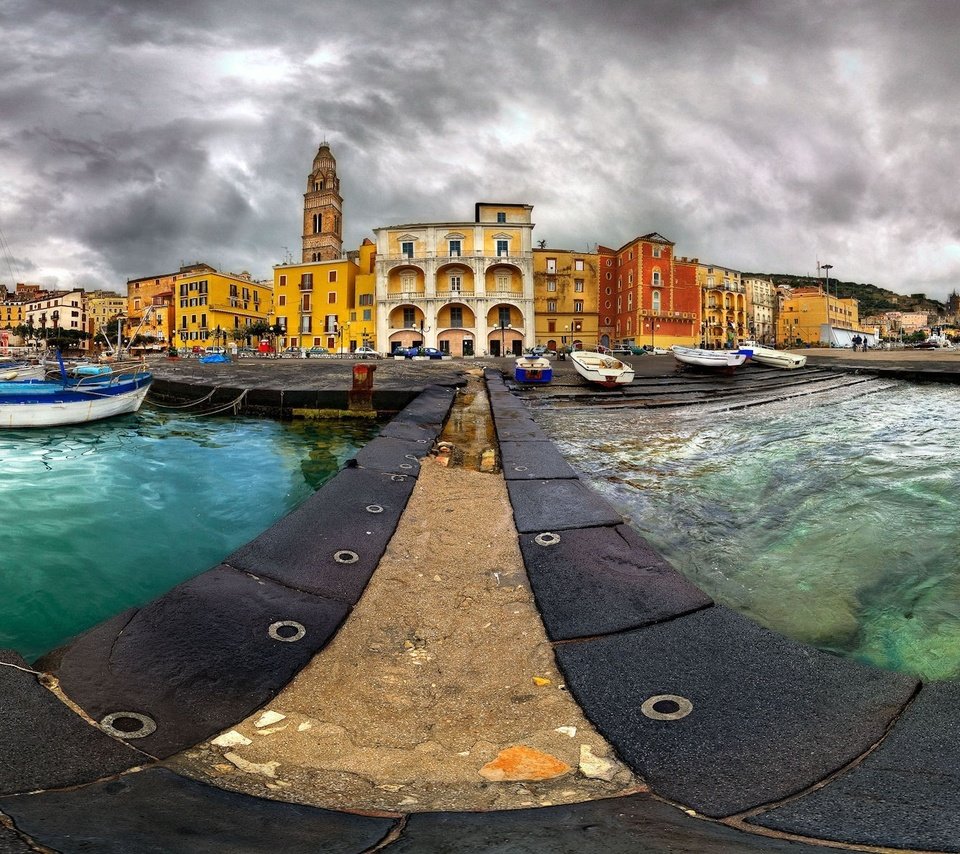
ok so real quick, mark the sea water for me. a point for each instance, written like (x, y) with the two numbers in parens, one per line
(101, 517)
(833, 522)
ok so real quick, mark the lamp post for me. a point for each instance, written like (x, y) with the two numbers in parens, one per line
(503, 342)
(828, 268)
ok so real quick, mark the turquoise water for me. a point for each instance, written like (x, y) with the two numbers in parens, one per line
(100, 517)
(835, 523)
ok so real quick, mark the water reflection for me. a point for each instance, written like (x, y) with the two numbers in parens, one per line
(834, 524)
(104, 516)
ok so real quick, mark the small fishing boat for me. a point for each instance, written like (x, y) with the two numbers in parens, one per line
(717, 360)
(777, 358)
(82, 394)
(532, 369)
(601, 369)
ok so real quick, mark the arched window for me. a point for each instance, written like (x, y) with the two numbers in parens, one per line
(656, 300)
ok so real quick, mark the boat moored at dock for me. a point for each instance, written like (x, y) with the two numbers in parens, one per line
(82, 394)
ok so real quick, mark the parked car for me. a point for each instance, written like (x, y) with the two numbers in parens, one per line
(316, 352)
(211, 350)
(365, 353)
(619, 351)
(430, 352)
(290, 353)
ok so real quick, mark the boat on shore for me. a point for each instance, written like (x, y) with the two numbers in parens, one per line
(601, 369)
(82, 394)
(714, 360)
(777, 358)
(533, 370)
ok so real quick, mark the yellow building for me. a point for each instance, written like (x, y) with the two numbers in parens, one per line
(103, 309)
(314, 304)
(723, 306)
(565, 298)
(810, 316)
(212, 307)
(152, 301)
(462, 287)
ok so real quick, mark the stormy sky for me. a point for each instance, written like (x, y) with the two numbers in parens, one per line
(762, 135)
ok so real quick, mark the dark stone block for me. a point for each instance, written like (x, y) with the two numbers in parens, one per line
(429, 407)
(158, 812)
(596, 581)
(515, 426)
(555, 505)
(412, 432)
(300, 549)
(199, 658)
(394, 456)
(10, 843)
(632, 825)
(906, 794)
(43, 743)
(533, 461)
(770, 716)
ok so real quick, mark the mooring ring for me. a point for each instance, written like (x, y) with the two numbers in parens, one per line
(374, 508)
(147, 725)
(346, 556)
(299, 633)
(666, 707)
(547, 538)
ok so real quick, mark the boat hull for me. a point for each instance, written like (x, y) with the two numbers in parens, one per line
(601, 369)
(45, 404)
(714, 360)
(778, 358)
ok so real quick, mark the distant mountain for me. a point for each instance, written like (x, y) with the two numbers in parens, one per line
(871, 299)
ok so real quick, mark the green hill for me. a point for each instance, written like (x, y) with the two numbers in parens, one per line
(871, 299)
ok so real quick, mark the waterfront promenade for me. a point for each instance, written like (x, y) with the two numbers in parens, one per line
(438, 654)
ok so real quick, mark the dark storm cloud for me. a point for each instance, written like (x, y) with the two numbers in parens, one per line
(757, 135)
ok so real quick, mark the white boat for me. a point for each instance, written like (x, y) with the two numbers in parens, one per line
(601, 369)
(87, 393)
(718, 360)
(777, 358)
(533, 369)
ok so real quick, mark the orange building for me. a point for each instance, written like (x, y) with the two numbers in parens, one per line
(642, 301)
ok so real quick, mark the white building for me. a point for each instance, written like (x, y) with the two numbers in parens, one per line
(463, 287)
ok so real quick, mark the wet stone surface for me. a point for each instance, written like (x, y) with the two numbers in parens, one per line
(769, 716)
(158, 812)
(43, 743)
(905, 794)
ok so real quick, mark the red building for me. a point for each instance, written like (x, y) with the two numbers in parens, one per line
(647, 297)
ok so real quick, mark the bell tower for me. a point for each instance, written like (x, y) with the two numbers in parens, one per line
(322, 209)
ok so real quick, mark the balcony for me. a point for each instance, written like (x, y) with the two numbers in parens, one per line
(306, 286)
(399, 259)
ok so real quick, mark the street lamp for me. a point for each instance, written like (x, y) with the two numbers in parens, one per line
(503, 343)
(828, 268)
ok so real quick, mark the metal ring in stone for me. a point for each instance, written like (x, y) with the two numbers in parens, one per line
(547, 539)
(146, 727)
(344, 556)
(374, 508)
(399, 477)
(666, 707)
(519, 468)
(298, 634)
(410, 457)
(405, 466)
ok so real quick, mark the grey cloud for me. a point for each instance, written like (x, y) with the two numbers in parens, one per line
(753, 133)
